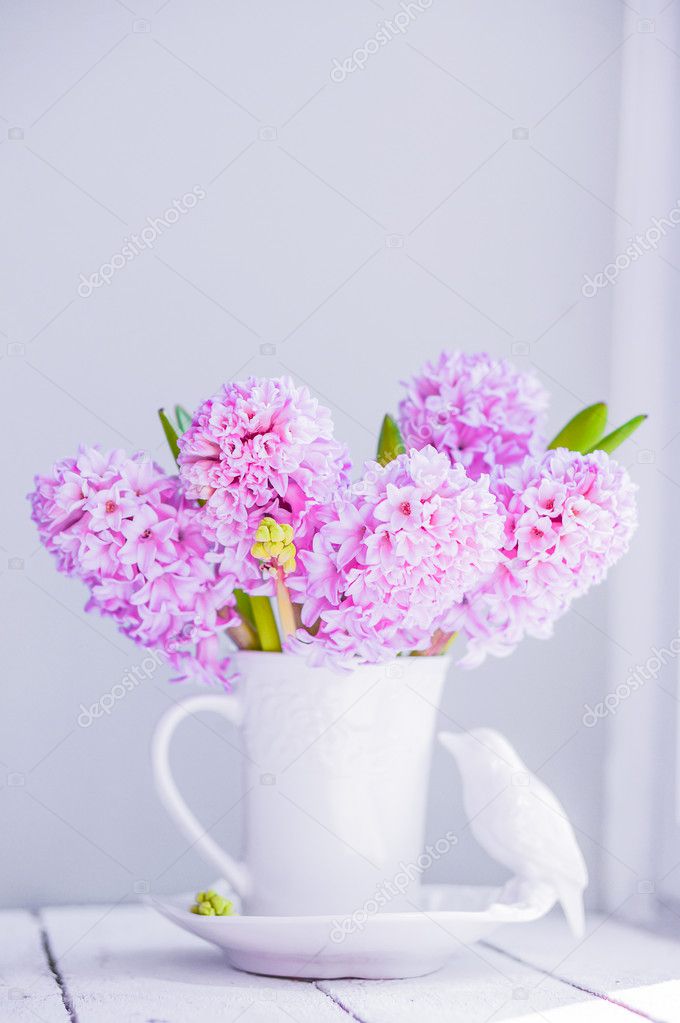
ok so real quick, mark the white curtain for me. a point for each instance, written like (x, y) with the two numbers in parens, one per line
(641, 838)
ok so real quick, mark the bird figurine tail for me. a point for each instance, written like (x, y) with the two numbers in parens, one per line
(571, 900)
(517, 819)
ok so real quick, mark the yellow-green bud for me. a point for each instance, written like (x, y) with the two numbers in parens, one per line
(274, 544)
(262, 531)
(211, 904)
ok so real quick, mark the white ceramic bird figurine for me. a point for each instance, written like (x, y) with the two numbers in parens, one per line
(517, 819)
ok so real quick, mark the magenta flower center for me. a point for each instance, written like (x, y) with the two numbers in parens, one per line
(110, 507)
(145, 535)
(405, 508)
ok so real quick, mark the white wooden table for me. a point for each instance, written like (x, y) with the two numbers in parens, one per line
(103, 964)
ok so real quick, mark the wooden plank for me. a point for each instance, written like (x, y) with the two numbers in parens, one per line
(479, 986)
(631, 966)
(28, 989)
(128, 965)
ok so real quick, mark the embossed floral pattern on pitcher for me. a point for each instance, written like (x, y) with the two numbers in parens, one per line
(336, 767)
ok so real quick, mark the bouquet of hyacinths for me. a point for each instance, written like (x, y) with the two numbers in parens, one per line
(466, 524)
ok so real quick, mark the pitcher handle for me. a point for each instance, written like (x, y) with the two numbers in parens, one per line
(229, 706)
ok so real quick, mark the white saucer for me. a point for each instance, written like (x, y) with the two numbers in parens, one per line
(383, 946)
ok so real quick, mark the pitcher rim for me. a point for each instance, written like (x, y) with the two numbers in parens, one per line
(399, 666)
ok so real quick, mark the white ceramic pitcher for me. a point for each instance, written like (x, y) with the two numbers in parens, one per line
(336, 776)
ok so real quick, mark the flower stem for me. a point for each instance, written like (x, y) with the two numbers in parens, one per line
(441, 641)
(244, 636)
(265, 623)
(286, 610)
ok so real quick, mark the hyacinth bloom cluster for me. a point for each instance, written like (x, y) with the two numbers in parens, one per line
(260, 448)
(122, 526)
(472, 528)
(481, 412)
(568, 518)
(395, 556)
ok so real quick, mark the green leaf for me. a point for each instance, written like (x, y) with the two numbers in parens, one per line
(245, 610)
(391, 442)
(243, 606)
(616, 437)
(183, 418)
(265, 623)
(583, 431)
(170, 433)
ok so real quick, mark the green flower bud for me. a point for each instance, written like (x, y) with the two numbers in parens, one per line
(209, 903)
(262, 532)
(276, 533)
(274, 545)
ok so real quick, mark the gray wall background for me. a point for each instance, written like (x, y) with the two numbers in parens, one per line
(453, 192)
